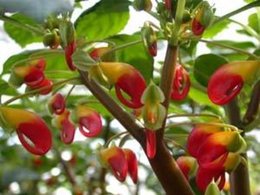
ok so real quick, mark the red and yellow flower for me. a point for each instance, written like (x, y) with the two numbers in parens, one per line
(57, 104)
(227, 81)
(90, 124)
(32, 131)
(188, 165)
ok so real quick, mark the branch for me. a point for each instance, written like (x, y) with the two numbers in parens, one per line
(239, 178)
(123, 117)
(253, 106)
(166, 80)
(244, 8)
(216, 43)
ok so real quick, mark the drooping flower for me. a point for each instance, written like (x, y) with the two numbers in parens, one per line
(90, 124)
(181, 83)
(149, 39)
(151, 143)
(66, 127)
(45, 86)
(115, 159)
(69, 50)
(32, 131)
(57, 104)
(227, 81)
(132, 164)
(127, 80)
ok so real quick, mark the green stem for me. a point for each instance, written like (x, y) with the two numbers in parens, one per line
(195, 115)
(114, 137)
(248, 29)
(122, 47)
(244, 8)
(70, 91)
(21, 25)
(39, 89)
(230, 47)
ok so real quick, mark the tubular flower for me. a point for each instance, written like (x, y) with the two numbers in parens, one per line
(31, 74)
(44, 87)
(132, 164)
(115, 159)
(90, 124)
(69, 50)
(66, 127)
(203, 17)
(101, 53)
(32, 131)
(216, 150)
(150, 143)
(57, 104)
(153, 113)
(188, 165)
(181, 83)
(234, 75)
(127, 79)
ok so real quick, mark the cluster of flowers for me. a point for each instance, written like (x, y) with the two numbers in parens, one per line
(214, 151)
(120, 161)
(33, 76)
(90, 124)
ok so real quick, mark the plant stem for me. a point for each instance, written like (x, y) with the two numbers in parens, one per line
(21, 25)
(167, 77)
(37, 90)
(195, 115)
(253, 106)
(122, 47)
(239, 178)
(237, 11)
(122, 116)
(230, 47)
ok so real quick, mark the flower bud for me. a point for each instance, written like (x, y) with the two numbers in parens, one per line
(188, 165)
(115, 159)
(149, 39)
(234, 74)
(145, 5)
(132, 164)
(90, 124)
(181, 83)
(150, 143)
(45, 86)
(66, 127)
(57, 104)
(212, 189)
(203, 17)
(32, 131)
(51, 39)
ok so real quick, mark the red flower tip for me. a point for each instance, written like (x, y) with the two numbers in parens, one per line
(69, 50)
(197, 27)
(153, 49)
(67, 128)
(181, 83)
(35, 77)
(205, 176)
(133, 84)
(220, 92)
(41, 64)
(57, 104)
(44, 86)
(115, 158)
(150, 143)
(90, 124)
(168, 5)
(132, 164)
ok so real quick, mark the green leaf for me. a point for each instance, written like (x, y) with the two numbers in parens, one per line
(106, 18)
(205, 65)
(241, 44)
(254, 22)
(5, 89)
(20, 35)
(82, 60)
(213, 30)
(136, 55)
